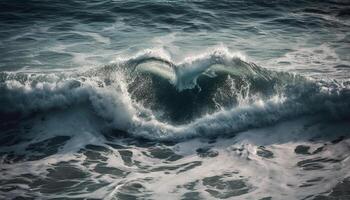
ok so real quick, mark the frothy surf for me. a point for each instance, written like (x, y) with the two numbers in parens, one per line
(121, 100)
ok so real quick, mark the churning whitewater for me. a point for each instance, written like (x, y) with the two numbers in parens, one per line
(163, 99)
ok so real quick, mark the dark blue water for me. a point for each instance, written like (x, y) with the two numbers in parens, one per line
(174, 99)
(305, 36)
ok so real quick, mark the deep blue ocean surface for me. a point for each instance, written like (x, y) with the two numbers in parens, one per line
(175, 99)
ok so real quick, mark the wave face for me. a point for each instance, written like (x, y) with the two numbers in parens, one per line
(151, 96)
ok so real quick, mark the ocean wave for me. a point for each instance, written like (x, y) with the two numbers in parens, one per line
(151, 96)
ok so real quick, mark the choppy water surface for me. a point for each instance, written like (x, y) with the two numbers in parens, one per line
(174, 99)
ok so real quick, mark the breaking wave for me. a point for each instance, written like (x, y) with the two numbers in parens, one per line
(149, 95)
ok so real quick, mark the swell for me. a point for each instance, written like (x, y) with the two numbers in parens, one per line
(151, 96)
